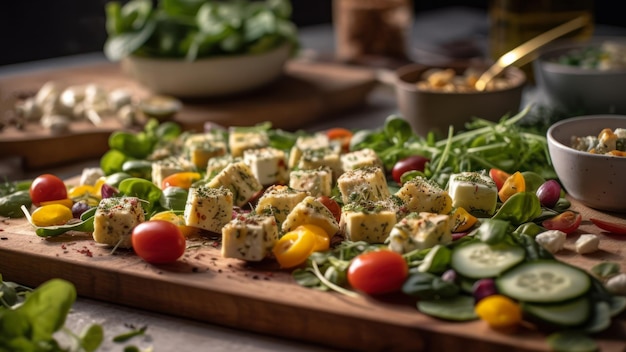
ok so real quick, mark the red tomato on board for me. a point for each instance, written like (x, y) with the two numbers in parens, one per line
(158, 241)
(378, 272)
(568, 221)
(498, 176)
(47, 187)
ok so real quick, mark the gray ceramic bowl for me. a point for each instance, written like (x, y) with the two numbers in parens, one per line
(595, 180)
(579, 90)
(435, 111)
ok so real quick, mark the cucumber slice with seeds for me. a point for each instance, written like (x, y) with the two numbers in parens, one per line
(543, 281)
(479, 260)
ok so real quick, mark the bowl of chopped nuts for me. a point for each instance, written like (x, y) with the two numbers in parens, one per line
(432, 98)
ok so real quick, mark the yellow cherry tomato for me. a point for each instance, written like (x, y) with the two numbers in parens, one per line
(180, 179)
(499, 311)
(322, 240)
(462, 220)
(294, 247)
(51, 215)
(176, 219)
(513, 184)
(66, 202)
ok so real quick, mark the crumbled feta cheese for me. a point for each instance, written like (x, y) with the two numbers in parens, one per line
(552, 240)
(587, 243)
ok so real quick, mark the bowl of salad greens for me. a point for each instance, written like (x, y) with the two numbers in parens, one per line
(584, 77)
(589, 157)
(201, 48)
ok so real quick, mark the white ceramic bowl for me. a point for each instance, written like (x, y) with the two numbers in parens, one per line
(576, 90)
(595, 180)
(208, 77)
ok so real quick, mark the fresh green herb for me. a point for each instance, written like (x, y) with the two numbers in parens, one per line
(130, 334)
(11, 204)
(84, 225)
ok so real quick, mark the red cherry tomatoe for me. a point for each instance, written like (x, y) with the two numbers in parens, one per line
(410, 163)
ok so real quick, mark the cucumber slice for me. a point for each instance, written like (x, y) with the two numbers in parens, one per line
(543, 281)
(457, 308)
(568, 314)
(479, 260)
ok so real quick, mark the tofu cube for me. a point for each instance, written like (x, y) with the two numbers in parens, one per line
(115, 219)
(249, 238)
(322, 157)
(208, 208)
(364, 184)
(419, 231)
(279, 201)
(315, 141)
(240, 140)
(369, 221)
(360, 158)
(269, 165)
(310, 211)
(240, 180)
(318, 182)
(474, 192)
(423, 195)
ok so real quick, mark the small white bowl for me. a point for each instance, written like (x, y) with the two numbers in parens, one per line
(208, 77)
(595, 180)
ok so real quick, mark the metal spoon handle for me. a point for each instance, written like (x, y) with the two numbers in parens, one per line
(527, 48)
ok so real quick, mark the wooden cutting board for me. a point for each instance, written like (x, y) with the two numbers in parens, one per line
(307, 92)
(261, 298)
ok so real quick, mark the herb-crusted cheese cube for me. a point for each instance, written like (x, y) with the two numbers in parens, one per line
(201, 151)
(219, 163)
(423, 195)
(315, 141)
(208, 208)
(420, 231)
(269, 165)
(240, 180)
(369, 221)
(322, 157)
(311, 211)
(364, 184)
(238, 141)
(169, 166)
(115, 219)
(279, 201)
(360, 158)
(249, 238)
(318, 182)
(474, 192)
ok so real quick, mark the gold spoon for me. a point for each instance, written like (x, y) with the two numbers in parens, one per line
(527, 48)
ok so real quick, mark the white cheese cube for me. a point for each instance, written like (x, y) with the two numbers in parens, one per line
(311, 211)
(279, 201)
(249, 238)
(239, 140)
(219, 163)
(318, 182)
(552, 240)
(315, 141)
(322, 157)
(474, 192)
(90, 175)
(269, 165)
(360, 158)
(208, 208)
(420, 231)
(169, 166)
(368, 221)
(423, 195)
(115, 219)
(587, 243)
(240, 180)
(364, 184)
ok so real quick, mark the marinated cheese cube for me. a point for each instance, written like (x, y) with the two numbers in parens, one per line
(201, 151)
(219, 163)
(322, 157)
(249, 237)
(364, 184)
(168, 166)
(315, 141)
(240, 180)
(240, 140)
(366, 157)
(310, 211)
(269, 165)
(318, 182)
(423, 195)
(208, 208)
(279, 200)
(474, 192)
(115, 219)
(367, 221)
(420, 231)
